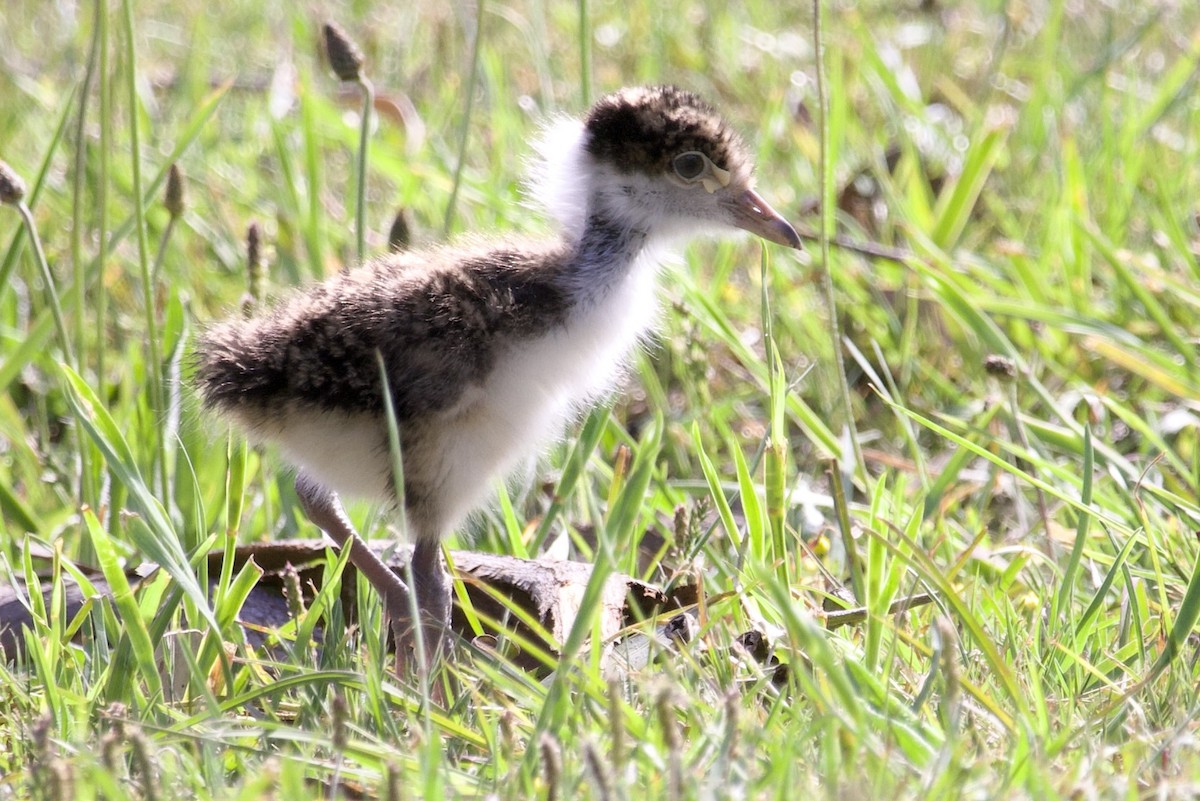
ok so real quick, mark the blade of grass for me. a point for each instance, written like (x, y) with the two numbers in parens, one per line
(153, 364)
(757, 539)
(159, 541)
(464, 130)
(717, 493)
(1066, 588)
(826, 231)
(572, 472)
(227, 603)
(35, 191)
(775, 447)
(984, 453)
(621, 525)
(133, 625)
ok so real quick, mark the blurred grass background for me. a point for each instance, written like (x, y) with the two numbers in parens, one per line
(1024, 390)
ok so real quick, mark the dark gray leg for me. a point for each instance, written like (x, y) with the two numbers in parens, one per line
(433, 596)
(325, 509)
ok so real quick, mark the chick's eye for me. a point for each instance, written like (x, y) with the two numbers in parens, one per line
(689, 166)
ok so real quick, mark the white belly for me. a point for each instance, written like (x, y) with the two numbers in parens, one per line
(345, 453)
(532, 391)
(538, 386)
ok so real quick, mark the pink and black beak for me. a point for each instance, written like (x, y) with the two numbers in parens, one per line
(751, 213)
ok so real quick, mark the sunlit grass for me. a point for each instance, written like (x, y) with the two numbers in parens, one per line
(1024, 386)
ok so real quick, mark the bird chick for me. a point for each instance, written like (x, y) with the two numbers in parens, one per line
(487, 349)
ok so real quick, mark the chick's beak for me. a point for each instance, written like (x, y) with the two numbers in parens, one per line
(751, 213)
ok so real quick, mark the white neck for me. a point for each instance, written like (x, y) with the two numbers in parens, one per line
(557, 175)
(611, 237)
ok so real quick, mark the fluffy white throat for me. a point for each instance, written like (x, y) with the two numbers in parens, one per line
(538, 386)
(557, 176)
(572, 188)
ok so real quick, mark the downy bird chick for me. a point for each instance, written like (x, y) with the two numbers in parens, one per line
(488, 350)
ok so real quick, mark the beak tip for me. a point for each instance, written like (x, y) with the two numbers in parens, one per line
(755, 215)
(781, 232)
(792, 239)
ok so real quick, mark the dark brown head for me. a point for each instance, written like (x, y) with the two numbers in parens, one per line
(643, 129)
(663, 155)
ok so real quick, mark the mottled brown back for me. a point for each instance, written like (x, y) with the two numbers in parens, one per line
(439, 319)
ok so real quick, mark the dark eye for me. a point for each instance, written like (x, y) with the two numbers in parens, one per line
(689, 166)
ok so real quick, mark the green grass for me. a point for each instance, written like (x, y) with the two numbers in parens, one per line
(1047, 498)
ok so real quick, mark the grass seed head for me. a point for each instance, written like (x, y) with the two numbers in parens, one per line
(551, 765)
(253, 246)
(174, 196)
(143, 762)
(393, 788)
(110, 751)
(293, 591)
(400, 234)
(254, 269)
(12, 188)
(62, 780)
(600, 770)
(616, 719)
(340, 714)
(665, 706)
(999, 366)
(344, 56)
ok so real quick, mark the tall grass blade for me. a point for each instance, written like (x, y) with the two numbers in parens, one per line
(1183, 626)
(154, 362)
(954, 208)
(157, 538)
(133, 625)
(717, 493)
(35, 190)
(1066, 591)
(572, 473)
(464, 130)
